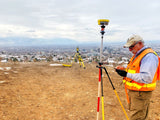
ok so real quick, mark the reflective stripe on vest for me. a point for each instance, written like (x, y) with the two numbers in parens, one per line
(134, 67)
(137, 87)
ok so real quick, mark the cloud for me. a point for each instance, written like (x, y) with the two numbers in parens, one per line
(77, 20)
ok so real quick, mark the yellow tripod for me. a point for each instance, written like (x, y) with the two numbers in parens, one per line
(79, 58)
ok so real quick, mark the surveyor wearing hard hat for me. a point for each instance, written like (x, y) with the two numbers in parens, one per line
(140, 77)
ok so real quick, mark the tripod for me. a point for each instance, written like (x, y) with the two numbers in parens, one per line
(104, 22)
(78, 56)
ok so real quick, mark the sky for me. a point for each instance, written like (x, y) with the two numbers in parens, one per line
(45, 20)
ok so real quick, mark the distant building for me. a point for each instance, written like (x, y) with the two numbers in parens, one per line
(124, 61)
(4, 61)
(111, 60)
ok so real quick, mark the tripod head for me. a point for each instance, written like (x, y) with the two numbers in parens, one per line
(103, 22)
(77, 49)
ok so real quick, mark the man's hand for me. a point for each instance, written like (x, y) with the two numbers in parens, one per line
(121, 72)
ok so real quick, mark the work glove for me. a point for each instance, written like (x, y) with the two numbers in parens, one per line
(121, 72)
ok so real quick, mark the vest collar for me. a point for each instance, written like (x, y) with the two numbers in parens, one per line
(140, 51)
(145, 47)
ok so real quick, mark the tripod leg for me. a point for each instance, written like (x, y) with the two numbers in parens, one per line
(116, 94)
(102, 95)
(83, 65)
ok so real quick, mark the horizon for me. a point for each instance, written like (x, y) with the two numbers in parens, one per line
(72, 43)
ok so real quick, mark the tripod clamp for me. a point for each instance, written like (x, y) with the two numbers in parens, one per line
(102, 30)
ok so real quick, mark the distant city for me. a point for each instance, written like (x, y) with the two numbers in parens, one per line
(113, 53)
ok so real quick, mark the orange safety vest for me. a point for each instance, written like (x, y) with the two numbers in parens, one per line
(134, 67)
(158, 71)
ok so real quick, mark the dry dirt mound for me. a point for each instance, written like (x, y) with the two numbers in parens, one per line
(42, 92)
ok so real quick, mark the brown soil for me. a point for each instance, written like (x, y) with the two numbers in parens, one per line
(37, 91)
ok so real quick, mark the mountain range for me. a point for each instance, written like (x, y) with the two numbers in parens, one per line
(24, 41)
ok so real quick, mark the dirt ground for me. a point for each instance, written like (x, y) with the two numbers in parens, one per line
(37, 91)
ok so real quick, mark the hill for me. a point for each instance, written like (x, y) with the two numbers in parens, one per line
(37, 91)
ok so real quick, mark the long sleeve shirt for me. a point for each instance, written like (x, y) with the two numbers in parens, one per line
(148, 67)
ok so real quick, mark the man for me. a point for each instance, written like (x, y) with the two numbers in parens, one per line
(140, 77)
